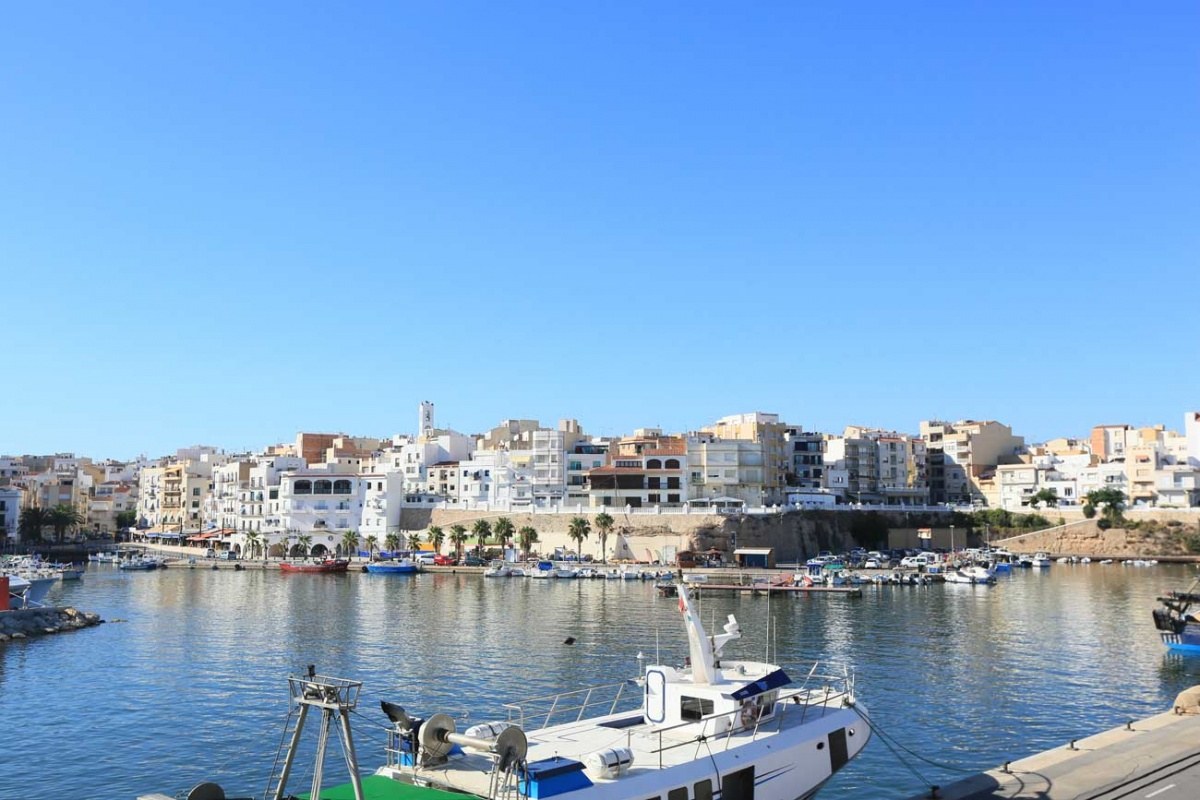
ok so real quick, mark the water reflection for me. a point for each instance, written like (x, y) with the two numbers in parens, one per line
(191, 686)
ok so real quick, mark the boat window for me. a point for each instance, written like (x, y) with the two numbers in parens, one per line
(678, 794)
(703, 790)
(738, 785)
(694, 707)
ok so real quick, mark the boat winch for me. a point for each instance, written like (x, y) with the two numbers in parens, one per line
(438, 735)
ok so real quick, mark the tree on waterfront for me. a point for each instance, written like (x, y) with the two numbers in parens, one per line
(414, 539)
(33, 521)
(604, 524)
(526, 537)
(482, 531)
(304, 540)
(503, 530)
(1111, 498)
(252, 542)
(1047, 496)
(372, 544)
(63, 518)
(437, 537)
(578, 530)
(350, 544)
(392, 542)
(126, 520)
(458, 535)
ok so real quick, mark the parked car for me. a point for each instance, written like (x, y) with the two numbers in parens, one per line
(443, 560)
(227, 555)
(425, 559)
(914, 561)
(473, 561)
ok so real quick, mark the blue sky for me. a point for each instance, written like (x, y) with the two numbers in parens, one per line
(223, 224)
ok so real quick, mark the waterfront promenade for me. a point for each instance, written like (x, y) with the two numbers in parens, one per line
(1154, 757)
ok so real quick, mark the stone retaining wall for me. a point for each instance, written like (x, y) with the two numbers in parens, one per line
(24, 622)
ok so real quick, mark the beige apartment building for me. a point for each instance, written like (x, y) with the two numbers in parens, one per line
(645, 469)
(961, 454)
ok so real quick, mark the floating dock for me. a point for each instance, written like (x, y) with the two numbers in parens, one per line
(1157, 757)
(770, 588)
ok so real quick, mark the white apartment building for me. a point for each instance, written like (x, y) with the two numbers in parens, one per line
(315, 503)
(10, 513)
(383, 499)
(960, 454)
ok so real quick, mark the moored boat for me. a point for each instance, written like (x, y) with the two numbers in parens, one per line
(402, 566)
(327, 566)
(1177, 622)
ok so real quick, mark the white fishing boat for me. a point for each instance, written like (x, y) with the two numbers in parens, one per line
(543, 570)
(1040, 561)
(716, 727)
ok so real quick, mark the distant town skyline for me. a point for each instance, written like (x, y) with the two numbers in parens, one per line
(550, 422)
(226, 224)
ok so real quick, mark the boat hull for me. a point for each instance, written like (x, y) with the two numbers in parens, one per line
(1186, 641)
(392, 569)
(315, 567)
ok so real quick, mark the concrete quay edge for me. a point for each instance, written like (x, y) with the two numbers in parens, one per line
(1091, 766)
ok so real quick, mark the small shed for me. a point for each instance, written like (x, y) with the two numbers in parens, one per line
(761, 557)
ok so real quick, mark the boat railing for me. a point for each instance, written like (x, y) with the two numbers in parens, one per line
(817, 693)
(553, 709)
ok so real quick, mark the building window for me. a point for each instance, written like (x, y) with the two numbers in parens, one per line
(323, 487)
(654, 463)
(672, 498)
(302, 487)
(672, 463)
(341, 487)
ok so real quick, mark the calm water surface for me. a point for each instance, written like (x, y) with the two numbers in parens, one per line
(191, 684)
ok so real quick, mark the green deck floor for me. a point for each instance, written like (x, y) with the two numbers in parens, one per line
(377, 787)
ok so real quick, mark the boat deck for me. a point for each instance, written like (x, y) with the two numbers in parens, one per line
(377, 787)
(1154, 757)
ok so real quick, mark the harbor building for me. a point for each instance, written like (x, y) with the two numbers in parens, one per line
(725, 469)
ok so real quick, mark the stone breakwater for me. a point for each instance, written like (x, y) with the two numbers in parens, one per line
(23, 623)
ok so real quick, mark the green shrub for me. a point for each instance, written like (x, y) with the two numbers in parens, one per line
(1103, 523)
(1089, 510)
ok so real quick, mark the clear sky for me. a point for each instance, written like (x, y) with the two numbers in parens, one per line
(223, 223)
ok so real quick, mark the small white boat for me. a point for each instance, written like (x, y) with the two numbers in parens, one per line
(498, 569)
(1040, 561)
(543, 570)
(1085, 560)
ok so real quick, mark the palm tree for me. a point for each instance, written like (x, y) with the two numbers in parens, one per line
(437, 537)
(350, 543)
(64, 517)
(604, 524)
(252, 542)
(458, 535)
(526, 537)
(372, 544)
(33, 520)
(503, 530)
(305, 542)
(578, 530)
(392, 542)
(414, 539)
(482, 530)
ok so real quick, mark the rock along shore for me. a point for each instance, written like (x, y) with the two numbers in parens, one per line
(25, 622)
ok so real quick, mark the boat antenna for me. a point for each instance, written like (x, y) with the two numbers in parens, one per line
(767, 659)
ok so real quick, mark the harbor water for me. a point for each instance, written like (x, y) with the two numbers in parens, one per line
(189, 684)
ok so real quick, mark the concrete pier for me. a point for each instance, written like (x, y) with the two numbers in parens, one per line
(1157, 757)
